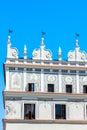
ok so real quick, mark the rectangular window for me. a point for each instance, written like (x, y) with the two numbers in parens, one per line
(60, 111)
(84, 88)
(69, 88)
(29, 111)
(50, 87)
(30, 86)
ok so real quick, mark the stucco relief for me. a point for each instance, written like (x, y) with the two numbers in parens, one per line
(68, 80)
(13, 109)
(81, 56)
(42, 53)
(81, 83)
(51, 78)
(13, 53)
(10, 109)
(37, 87)
(45, 110)
(76, 110)
(16, 81)
(33, 78)
(85, 80)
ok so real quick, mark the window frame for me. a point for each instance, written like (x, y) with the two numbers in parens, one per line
(34, 111)
(69, 88)
(32, 89)
(61, 114)
(85, 86)
(49, 89)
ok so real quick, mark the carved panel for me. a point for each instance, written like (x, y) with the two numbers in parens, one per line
(83, 81)
(76, 111)
(68, 79)
(13, 53)
(45, 110)
(42, 53)
(51, 79)
(13, 109)
(81, 55)
(16, 81)
(33, 78)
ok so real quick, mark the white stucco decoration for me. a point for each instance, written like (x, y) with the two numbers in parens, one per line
(11, 52)
(85, 80)
(42, 53)
(51, 78)
(10, 110)
(33, 77)
(16, 81)
(68, 79)
(77, 54)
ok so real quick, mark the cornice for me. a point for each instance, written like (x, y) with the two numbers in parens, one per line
(45, 66)
(59, 121)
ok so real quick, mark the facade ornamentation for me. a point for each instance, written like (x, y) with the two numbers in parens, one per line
(16, 81)
(68, 79)
(10, 109)
(85, 80)
(11, 52)
(51, 78)
(45, 93)
(77, 54)
(42, 53)
(34, 77)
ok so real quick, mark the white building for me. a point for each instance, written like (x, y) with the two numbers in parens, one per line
(42, 93)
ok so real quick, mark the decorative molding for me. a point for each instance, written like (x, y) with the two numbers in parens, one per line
(51, 78)
(68, 79)
(16, 81)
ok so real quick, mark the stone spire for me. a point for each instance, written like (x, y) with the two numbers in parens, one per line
(25, 52)
(77, 44)
(8, 45)
(42, 46)
(60, 53)
(8, 42)
(77, 48)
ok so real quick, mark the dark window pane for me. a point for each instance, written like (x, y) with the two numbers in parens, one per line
(60, 111)
(29, 111)
(84, 88)
(50, 87)
(69, 88)
(30, 86)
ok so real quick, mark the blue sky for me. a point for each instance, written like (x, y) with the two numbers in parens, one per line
(60, 19)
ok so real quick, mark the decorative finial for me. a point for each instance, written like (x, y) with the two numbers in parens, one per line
(9, 42)
(25, 49)
(42, 41)
(77, 45)
(59, 53)
(25, 52)
(59, 50)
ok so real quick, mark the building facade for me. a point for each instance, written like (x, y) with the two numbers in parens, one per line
(42, 93)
